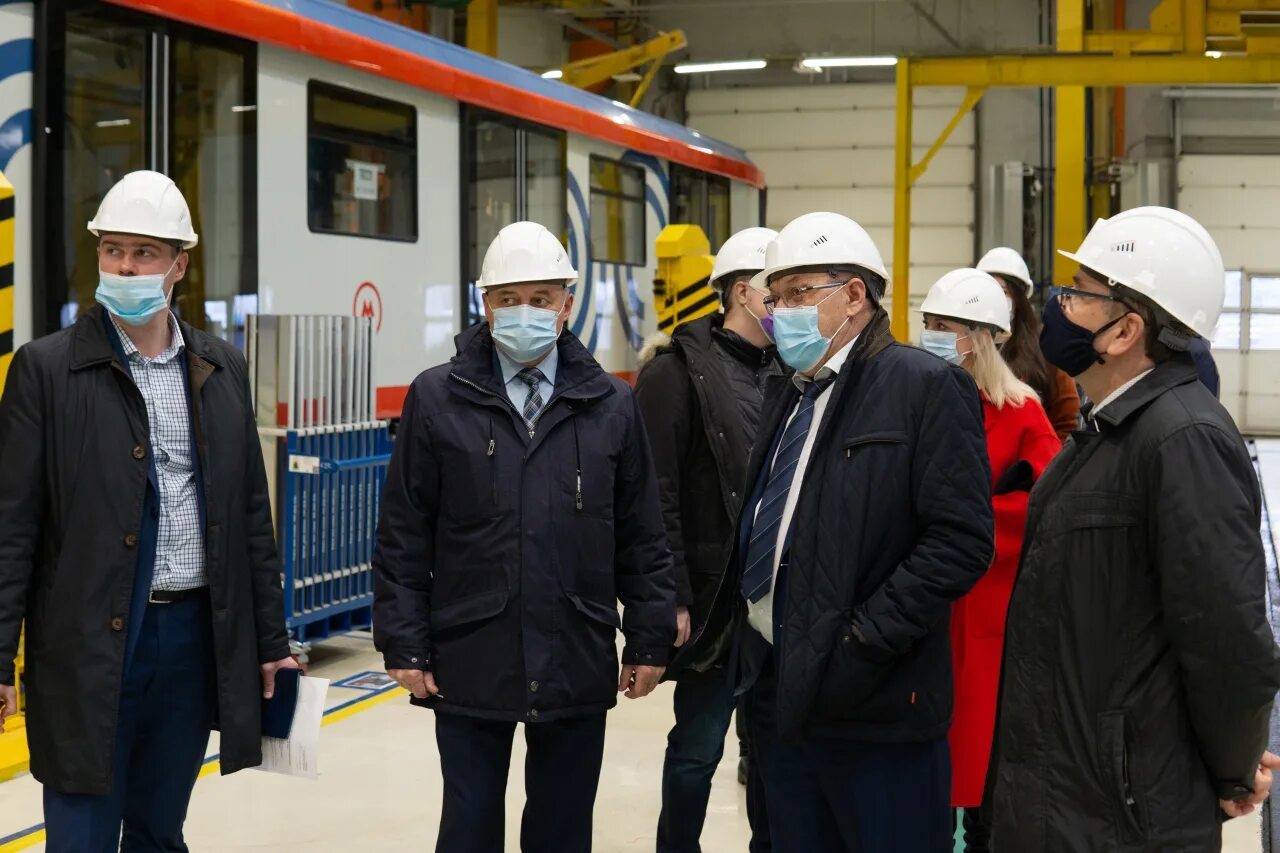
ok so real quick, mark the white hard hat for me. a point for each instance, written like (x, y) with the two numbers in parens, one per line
(742, 253)
(1005, 261)
(146, 203)
(971, 296)
(1164, 256)
(525, 252)
(817, 239)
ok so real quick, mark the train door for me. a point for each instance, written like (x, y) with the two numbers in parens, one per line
(512, 170)
(118, 92)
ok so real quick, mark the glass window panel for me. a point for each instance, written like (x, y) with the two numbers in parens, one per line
(103, 138)
(1264, 292)
(362, 178)
(1264, 331)
(617, 217)
(1232, 300)
(545, 192)
(213, 128)
(1227, 335)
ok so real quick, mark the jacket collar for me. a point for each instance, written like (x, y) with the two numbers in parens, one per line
(578, 375)
(1179, 370)
(90, 344)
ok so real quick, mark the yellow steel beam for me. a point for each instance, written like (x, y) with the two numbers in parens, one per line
(1069, 162)
(1194, 22)
(1089, 70)
(597, 69)
(643, 85)
(482, 26)
(899, 316)
(971, 98)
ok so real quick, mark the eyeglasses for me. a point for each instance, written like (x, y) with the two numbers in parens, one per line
(795, 299)
(1065, 295)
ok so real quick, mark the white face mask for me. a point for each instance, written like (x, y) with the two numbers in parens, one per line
(942, 344)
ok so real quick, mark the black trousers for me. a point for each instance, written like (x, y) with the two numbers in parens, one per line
(561, 774)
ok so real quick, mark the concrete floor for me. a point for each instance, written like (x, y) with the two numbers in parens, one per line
(380, 786)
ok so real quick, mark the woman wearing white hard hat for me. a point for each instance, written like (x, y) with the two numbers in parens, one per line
(868, 514)
(965, 314)
(1140, 670)
(1056, 390)
(520, 508)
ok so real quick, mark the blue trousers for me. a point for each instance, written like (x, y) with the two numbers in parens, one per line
(561, 775)
(704, 703)
(166, 713)
(832, 795)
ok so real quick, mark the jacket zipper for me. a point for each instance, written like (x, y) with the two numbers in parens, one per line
(577, 458)
(536, 418)
(493, 464)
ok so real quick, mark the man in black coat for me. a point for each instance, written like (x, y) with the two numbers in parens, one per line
(700, 396)
(136, 542)
(868, 515)
(520, 507)
(1139, 667)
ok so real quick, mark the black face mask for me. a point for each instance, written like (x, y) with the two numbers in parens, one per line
(1067, 345)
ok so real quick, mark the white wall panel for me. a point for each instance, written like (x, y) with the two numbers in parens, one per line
(831, 147)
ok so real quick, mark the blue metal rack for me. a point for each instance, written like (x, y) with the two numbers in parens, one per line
(331, 482)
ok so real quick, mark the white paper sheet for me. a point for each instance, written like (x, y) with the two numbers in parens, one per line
(299, 755)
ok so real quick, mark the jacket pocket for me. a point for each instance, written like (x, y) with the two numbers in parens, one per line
(1116, 766)
(883, 437)
(851, 687)
(466, 610)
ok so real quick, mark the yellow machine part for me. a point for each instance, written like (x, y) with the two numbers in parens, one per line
(682, 291)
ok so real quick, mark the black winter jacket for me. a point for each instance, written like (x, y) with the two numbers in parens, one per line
(1139, 668)
(893, 523)
(74, 451)
(501, 557)
(701, 397)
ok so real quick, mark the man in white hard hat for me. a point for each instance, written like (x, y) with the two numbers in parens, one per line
(868, 515)
(701, 396)
(520, 507)
(136, 542)
(1139, 666)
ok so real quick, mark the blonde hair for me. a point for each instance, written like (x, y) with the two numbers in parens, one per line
(992, 374)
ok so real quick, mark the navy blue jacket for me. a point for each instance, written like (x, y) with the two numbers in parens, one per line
(501, 556)
(1206, 367)
(893, 524)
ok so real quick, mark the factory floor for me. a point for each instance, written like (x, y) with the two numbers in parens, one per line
(379, 787)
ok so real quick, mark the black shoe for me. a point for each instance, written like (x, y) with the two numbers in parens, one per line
(742, 770)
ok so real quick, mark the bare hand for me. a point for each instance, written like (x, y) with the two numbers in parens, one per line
(639, 681)
(1261, 789)
(8, 702)
(683, 626)
(269, 671)
(420, 684)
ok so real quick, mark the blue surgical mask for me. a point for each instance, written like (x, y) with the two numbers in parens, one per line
(942, 344)
(525, 333)
(135, 299)
(795, 331)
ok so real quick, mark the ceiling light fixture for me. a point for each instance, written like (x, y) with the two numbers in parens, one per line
(817, 63)
(553, 74)
(706, 67)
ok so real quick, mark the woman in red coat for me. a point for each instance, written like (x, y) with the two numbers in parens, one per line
(965, 312)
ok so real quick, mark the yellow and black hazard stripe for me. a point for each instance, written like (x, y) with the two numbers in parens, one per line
(6, 277)
(689, 303)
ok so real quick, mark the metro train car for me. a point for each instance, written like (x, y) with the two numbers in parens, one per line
(337, 163)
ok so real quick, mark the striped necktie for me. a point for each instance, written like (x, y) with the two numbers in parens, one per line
(531, 376)
(757, 578)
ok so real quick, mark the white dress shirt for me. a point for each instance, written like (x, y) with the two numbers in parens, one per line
(1116, 395)
(760, 613)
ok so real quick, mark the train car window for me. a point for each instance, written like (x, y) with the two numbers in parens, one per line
(617, 212)
(361, 164)
(702, 199)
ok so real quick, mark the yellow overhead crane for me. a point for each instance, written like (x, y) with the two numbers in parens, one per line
(596, 69)
(1183, 46)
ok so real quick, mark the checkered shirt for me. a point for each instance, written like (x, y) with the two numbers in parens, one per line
(180, 543)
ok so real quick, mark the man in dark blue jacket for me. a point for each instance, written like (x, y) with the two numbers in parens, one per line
(869, 515)
(521, 505)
